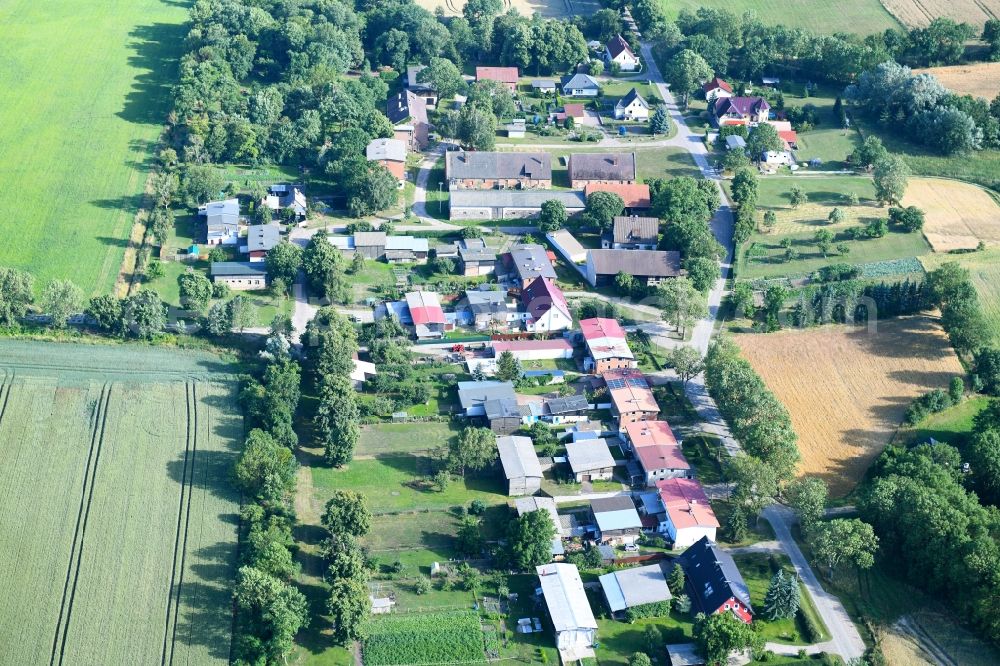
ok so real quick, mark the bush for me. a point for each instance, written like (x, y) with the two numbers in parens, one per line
(477, 508)
(837, 273)
(810, 632)
(929, 403)
(657, 609)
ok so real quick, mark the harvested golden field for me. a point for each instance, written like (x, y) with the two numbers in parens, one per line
(919, 13)
(981, 79)
(959, 215)
(846, 388)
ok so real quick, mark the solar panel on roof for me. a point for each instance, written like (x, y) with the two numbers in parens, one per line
(616, 383)
(638, 382)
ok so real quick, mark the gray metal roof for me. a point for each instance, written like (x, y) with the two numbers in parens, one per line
(474, 164)
(638, 586)
(504, 408)
(573, 200)
(518, 457)
(386, 149)
(645, 263)
(473, 394)
(565, 597)
(262, 237)
(580, 81)
(615, 513)
(237, 269)
(588, 455)
(602, 166)
(531, 261)
(369, 239)
(571, 403)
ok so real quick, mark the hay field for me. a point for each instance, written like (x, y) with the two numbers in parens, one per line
(846, 388)
(981, 79)
(919, 13)
(959, 215)
(86, 89)
(984, 268)
(852, 16)
(810, 217)
(547, 8)
(118, 521)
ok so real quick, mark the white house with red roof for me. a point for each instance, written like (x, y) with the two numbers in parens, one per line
(607, 346)
(657, 450)
(716, 89)
(688, 516)
(426, 313)
(545, 306)
(618, 51)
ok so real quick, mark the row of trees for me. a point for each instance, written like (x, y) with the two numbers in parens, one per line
(269, 608)
(347, 518)
(329, 344)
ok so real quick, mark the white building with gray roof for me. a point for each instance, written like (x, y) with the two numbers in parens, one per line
(569, 609)
(509, 204)
(590, 460)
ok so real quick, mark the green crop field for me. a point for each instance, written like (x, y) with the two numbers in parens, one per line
(861, 16)
(428, 638)
(86, 90)
(118, 524)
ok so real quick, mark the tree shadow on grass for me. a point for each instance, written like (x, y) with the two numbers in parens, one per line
(156, 51)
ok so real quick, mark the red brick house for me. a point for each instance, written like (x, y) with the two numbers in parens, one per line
(713, 582)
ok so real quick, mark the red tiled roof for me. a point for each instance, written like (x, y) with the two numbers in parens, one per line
(501, 74)
(573, 110)
(425, 308)
(630, 392)
(686, 503)
(655, 445)
(635, 195)
(789, 137)
(716, 83)
(600, 327)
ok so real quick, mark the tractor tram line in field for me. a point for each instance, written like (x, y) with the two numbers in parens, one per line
(5, 388)
(98, 426)
(183, 522)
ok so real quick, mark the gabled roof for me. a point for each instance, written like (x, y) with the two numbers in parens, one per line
(411, 243)
(656, 446)
(615, 513)
(633, 229)
(518, 458)
(501, 74)
(262, 237)
(530, 262)
(634, 195)
(407, 105)
(412, 76)
(476, 394)
(712, 576)
(571, 199)
(588, 455)
(541, 296)
(567, 404)
(715, 84)
(485, 301)
(630, 392)
(580, 81)
(601, 327)
(425, 308)
(638, 586)
(543, 84)
(565, 240)
(602, 166)
(500, 346)
(486, 165)
(392, 150)
(617, 45)
(741, 106)
(565, 597)
(237, 269)
(369, 238)
(686, 503)
(574, 110)
(644, 263)
(630, 97)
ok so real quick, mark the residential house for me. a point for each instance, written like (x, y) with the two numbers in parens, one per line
(260, 239)
(422, 88)
(406, 249)
(590, 460)
(493, 402)
(716, 89)
(543, 86)
(407, 111)
(632, 233)
(377, 245)
(635, 196)
(475, 170)
(545, 306)
(222, 221)
(507, 76)
(362, 371)
(534, 350)
(587, 168)
(520, 465)
(631, 397)
(713, 581)
(567, 245)
(630, 588)
(656, 449)
(739, 111)
(648, 267)
(489, 308)
(525, 505)
(527, 262)
(617, 51)
(789, 139)
(580, 85)
(390, 153)
(607, 346)
(569, 609)
(239, 275)
(777, 158)
(509, 204)
(575, 111)
(616, 519)
(688, 516)
(567, 409)
(428, 317)
(282, 196)
(475, 257)
(632, 107)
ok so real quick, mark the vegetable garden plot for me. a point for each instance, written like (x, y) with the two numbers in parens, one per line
(428, 638)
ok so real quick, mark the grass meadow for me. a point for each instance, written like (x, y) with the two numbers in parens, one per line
(119, 523)
(860, 16)
(86, 90)
(984, 268)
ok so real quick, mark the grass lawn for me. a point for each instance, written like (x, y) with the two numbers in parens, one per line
(860, 16)
(828, 141)
(759, 531)
(619, 640)
(86, 91)
(705, 453)
(765, 258)
(388, 438)
(775, 191)
(757, 571)
(952, 426)
(666, 162)
(984, 268)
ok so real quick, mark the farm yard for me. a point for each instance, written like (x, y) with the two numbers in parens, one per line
(850, 387)
(861, 16)
(959, 215)
(981, 79)
(122, 526)
(919, 13)
(62, 219)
